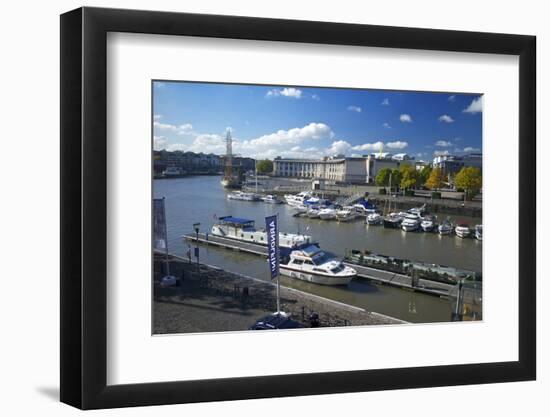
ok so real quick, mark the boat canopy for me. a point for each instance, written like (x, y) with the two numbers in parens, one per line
(236, 221)
(310, 250)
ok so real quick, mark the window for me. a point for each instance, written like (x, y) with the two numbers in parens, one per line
(297, 261)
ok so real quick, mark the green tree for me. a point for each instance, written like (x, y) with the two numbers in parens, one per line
(425, 173)
(409, 176)
(469, 179)
(435, 180)
(396, 177)
(383, 177)
(264, 166)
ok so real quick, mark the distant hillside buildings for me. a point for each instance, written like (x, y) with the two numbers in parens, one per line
(195, 163)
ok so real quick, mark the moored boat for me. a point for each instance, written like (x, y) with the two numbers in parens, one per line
(428, 223)
(479, 231)
(271, 199)
(462, 230)
(297, 199)
(411, 222)
(445, 228)
(346, 214)
(311, 264)
(327, 214)
(243, 230)
(374, 219)
(393, 221)
(242, 196)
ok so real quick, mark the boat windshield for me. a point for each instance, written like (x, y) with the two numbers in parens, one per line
(338, 268)
(320, 258)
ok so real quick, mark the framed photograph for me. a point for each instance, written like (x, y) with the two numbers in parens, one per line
(366, 194)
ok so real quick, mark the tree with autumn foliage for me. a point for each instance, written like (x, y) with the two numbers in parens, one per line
(435, 180)
(469, 179)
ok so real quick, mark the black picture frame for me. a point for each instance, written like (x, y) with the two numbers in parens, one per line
(84, 207)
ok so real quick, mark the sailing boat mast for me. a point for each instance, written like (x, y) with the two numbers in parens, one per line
(228, 155)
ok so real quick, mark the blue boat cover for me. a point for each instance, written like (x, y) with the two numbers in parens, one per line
(236, 220)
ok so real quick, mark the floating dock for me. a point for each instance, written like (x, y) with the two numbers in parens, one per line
(227, 243)
(403, 281)
(378, 275)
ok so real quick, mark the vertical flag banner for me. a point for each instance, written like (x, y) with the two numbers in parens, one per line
(159, 225)
(272, 228)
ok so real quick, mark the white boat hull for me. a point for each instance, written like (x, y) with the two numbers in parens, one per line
(316, 278)
(462, 233)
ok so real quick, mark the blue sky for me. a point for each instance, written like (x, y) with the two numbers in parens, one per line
(304, 122)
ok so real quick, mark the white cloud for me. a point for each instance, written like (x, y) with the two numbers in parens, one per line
(157, 116)
(471, 149)
(159, 142)
(158, 84)
(385, 102)
(452, 98)
(295, 149)
(405, 118)
(339, 147)
(181, 129)
(286, 92)
(476, 106)
(376, 146)
(446, 118)
(443, 143)
(356, 109)
(441, 153)
(315, 97)
(185, 129)
(293, 136)
(386, 125)
(397, 145)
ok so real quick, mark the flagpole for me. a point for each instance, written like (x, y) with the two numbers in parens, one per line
(165, 237)
(278, 271)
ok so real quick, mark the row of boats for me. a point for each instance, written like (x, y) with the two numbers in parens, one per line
(415, 219)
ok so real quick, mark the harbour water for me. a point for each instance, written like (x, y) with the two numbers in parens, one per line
(201, 200)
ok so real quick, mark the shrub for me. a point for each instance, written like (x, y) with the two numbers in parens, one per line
(382, 191)
(409, 193)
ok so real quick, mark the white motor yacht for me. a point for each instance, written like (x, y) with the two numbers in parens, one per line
(462, 230)
(411, 222)
(374, 219)
(241, 195)
(346, 214)
(327, 214)
(297, 199)
(313, 212)
(313, 265)
(243, 230)
(271, 199)
(428, 223)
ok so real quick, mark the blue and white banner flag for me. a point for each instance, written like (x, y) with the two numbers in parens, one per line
(159, 225)
(272, 228)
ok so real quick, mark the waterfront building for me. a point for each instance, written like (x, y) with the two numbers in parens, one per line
(377, 162)
(338, 168)
(451, 164)
(355, 170)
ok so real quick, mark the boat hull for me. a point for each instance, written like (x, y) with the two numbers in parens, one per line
(390, 224)
(315, 278)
